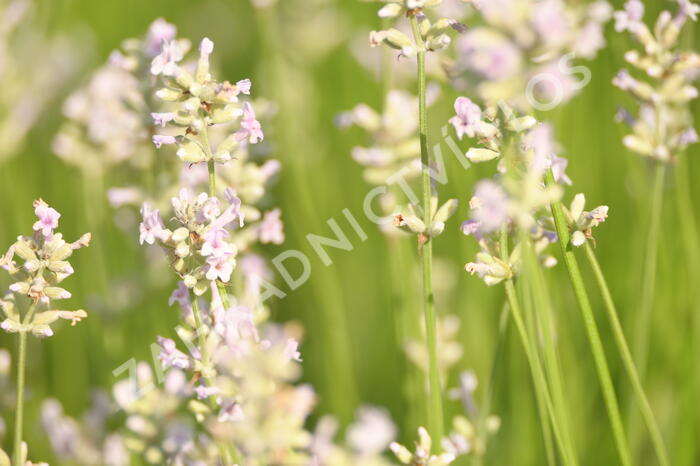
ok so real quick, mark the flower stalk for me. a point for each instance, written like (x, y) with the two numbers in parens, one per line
(19, 410)
(435, 395)
(591, 328)
(628, 361)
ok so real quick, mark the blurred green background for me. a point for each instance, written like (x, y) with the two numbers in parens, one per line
(319, 180)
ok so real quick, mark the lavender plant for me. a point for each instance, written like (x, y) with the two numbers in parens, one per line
(427, 37)
(28, 306)
(663, 128)
(525, 57)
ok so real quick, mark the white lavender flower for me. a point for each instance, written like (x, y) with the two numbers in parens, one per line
(522, 53)
(663, 89)
(28, 305)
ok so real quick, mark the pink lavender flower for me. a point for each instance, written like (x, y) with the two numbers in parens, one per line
(468, 117)
(48, 218)
(170, 356)
(160, 31)
(215, 243)
(372, 432)
(630, 18)
(271, 228)
(220, 268)
(203, 392)
(236, 324)
(490, 205)
(181, 295)
(471, 227)
(489, 54)
(550, 22)
(624, 80)
(243, 86)
(689, 136)
(159, 140)
(291, 350)
(166, 62)
(162, 119)
(152, 225)
(558, 165)
(688, 9)
(231, 412)
(250, 127)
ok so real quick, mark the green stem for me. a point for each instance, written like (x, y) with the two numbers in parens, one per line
(525, 293)
(545, 319)
(21, 375)
(591, 328)
(627, 359)
(19, 410)
(435, 412)
(536, 369)
(649, 278)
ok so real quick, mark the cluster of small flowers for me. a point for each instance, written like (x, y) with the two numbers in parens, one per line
(526, 47)
(27, 305)
(664, 126)
(433, 35)
(466, 436)
(198, 250)
(395, 147)
(517, 198)
(113, 121)
(107, 125)
(34, 84)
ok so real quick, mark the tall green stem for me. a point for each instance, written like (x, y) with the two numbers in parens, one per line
(525, 295)
(649, 278)
(21, 375)
(19, 410)
(591, 328)
(544, 324)
(536, 369)
(435, 414)
(539, 379)
(627, 359)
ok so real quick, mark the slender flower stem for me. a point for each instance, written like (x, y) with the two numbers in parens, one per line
(591, 328)
(211, 168)
(525, 295)
(539, 379)
(435, 414)
(19, 410)
(627, 359)
(536, 369)
(649, 278)
(544, 316)
(199, 324)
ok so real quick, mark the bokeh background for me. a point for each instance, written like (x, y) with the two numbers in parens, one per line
(301, 57)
